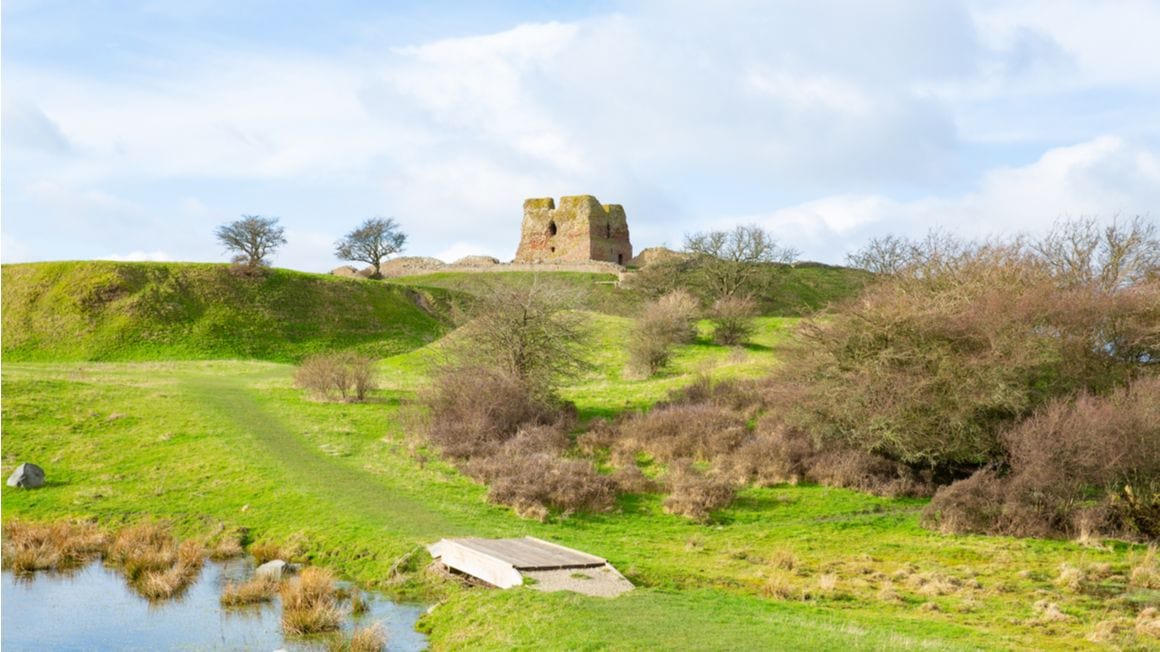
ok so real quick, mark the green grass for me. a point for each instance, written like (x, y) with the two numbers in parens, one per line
(145, 311)
(206, 444)
(595, 292)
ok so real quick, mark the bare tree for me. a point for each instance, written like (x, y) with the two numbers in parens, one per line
(730, 261)
(886, 255)
(254, 238)
(1082, 251)
(529, 332)
(371, 242)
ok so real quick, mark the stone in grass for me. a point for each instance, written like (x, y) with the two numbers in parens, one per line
(276, 569)
(27, 476)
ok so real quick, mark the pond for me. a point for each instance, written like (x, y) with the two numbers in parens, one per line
(94, 609)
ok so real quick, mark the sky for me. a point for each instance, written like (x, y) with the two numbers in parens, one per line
(131, 130)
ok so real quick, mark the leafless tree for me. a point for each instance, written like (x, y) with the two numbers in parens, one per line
(729, 262)
(1082, 251)
(371, 242)
(253, 238)
(886, 255)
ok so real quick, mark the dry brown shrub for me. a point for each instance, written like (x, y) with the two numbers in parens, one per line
(341, 376)
(631, 480)
(227, 546)
(663, 324)
(252, 591)
(777, 454)
(309, 603)
(600, 436)
(700, 432)
(1102, 446)
(473, 410)
(162, 584)
(538, 483)
(1146, 573)
(856, 469)
(696, 495)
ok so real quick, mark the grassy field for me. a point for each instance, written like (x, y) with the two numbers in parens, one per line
(208, 445)
(101, 310)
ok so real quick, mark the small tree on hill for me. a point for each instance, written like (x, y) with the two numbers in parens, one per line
(253, 238)
(371, 242)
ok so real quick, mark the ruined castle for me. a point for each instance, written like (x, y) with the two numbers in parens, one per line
(578, 231)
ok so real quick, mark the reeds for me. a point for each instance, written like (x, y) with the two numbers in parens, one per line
(31, 547)
(153, 562)
(254, 591)
(310, 603)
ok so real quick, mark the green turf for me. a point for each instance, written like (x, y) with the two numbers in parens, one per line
(211, 444)
(145, 311)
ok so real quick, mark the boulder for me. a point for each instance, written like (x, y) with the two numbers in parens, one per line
(27, 476)
(276, 569)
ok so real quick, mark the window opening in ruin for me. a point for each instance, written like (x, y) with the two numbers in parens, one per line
(551, 228)
(553, 250)
(619, 259)
(608, 230)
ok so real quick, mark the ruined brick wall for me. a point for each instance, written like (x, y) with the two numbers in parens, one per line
(579, 230)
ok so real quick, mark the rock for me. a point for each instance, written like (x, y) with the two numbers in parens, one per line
(276, 569)
(27, 476)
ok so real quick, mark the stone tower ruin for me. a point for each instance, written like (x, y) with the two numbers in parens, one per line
(580, 230)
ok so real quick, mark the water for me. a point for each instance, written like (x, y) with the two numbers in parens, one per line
(94, 609)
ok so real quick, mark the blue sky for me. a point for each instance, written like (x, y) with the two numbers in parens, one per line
(132, 129)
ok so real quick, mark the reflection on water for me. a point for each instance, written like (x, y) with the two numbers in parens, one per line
(92, 608)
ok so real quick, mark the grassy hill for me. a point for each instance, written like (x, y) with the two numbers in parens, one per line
(101, 310)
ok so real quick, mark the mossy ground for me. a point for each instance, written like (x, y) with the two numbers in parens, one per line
(207, 445)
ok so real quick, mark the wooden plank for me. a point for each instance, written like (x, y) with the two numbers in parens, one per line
(530, 553)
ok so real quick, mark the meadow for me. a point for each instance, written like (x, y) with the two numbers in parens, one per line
(217, 446)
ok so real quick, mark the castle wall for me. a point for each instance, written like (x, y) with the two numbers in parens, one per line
(579, 230)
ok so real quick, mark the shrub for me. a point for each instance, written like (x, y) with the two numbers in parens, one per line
(777, 454)
(695, 431)
(344, 376)
(663, 324)
(1073, 461)
(695, 495)
(631, 480)
(733, 320)
(537, 483)
(473, 410)
(931, 364)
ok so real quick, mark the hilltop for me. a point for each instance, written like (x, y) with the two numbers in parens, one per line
(100, 310)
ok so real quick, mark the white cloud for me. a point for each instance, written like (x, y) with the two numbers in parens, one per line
(1102, 177)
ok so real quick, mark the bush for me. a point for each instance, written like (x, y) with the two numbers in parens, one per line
(733, 320)
(696, 431)
(539, 482)
(776, 455)
(1078, 466)
(344, 376)
(473, 410)
(695, 495)
(663, 324)
(931, 364)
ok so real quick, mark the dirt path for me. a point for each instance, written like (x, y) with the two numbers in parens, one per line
(348, 488)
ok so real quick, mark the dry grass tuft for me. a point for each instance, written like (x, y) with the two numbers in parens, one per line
(227, 547)
(1045, 612)
(264, 551)
(29, 547)
(254, 591)
(310, 603)
(887, 593)
(1107, 631)
(358, 602)
(1070, 577)
(141, 549)
(369, 639)
(783, 559)
(779, 586)
(1148, 623)
(1146, 574)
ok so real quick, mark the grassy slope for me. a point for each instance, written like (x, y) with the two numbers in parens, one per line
(208, 443)
(596, 292)
(140, 311)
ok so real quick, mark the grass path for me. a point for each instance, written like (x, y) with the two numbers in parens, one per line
(348, 487)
